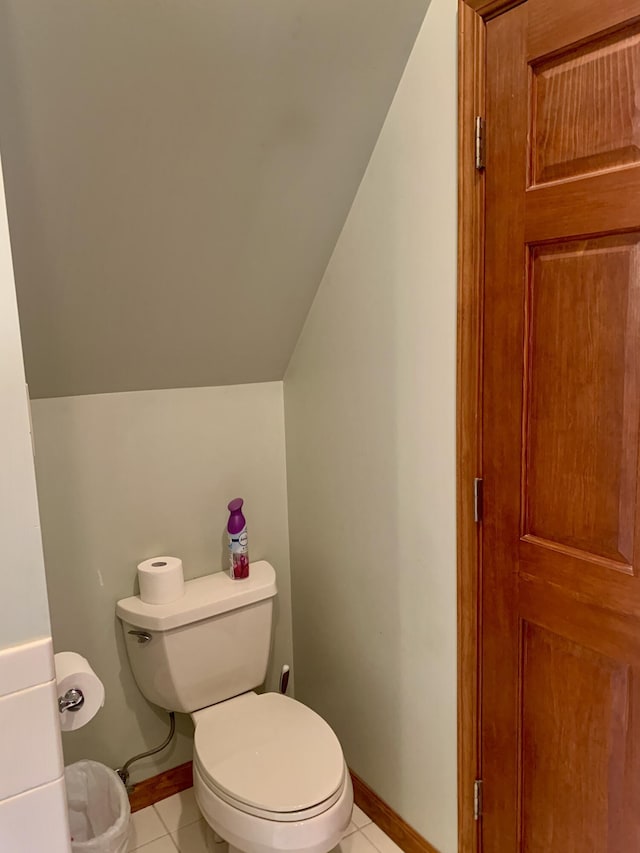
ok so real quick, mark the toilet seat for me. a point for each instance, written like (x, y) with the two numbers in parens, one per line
(284, 817)
(269, 756)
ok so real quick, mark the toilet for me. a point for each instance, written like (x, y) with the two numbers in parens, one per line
(269, 775)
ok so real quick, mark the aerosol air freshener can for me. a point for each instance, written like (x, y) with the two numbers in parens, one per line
(238, 541)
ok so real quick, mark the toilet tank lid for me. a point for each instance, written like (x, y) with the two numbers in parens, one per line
(203, 597)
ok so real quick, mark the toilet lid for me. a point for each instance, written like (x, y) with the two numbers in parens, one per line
(269, 752)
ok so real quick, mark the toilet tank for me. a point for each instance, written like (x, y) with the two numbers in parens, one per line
(209, 645)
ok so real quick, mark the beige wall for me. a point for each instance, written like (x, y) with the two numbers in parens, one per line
(176, 169)
(23, 594)
(370, 418)
(123, 477)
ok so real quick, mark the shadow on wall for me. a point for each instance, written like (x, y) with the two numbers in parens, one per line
(169, 162)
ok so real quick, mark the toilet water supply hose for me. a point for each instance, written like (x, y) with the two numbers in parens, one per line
(123, 772)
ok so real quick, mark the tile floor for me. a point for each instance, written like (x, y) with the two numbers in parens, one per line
(175, 824)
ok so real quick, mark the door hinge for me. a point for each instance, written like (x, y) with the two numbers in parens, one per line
(477, 499)
(477, 799)
(479, 143)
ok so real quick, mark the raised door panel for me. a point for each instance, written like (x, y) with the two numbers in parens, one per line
(582, 410)
(575, 732)
(577, 126)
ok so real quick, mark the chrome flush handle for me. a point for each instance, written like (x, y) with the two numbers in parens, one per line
(143, 636)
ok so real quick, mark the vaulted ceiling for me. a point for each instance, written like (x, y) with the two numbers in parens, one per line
(177, 173)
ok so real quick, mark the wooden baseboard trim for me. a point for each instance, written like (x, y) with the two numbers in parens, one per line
(387, 819)
(159, 787)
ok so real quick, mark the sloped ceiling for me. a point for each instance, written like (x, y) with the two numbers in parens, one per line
(177, 173)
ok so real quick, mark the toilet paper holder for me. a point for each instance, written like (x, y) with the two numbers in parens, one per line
(72, 700)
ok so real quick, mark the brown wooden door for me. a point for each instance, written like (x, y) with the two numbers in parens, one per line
(560, 586)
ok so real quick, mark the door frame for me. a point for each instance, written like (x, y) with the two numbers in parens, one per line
(472, 18)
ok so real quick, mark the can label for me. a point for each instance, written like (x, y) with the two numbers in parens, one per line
(239, 555)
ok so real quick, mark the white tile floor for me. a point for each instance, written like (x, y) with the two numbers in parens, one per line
(175, 824)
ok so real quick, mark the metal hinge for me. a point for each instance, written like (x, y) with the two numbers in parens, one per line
(477, 799)
(479, 143)
(477, 499)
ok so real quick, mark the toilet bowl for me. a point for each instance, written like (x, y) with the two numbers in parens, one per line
(252, 834)
(269, 774)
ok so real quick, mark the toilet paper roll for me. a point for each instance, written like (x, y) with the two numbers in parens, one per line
(161, 580)
(74, 672)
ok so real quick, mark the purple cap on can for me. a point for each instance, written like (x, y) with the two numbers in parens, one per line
(236, 519)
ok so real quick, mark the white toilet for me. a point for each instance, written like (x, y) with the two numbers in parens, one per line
(268, 772)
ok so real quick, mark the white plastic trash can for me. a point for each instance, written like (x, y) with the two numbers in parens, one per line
(99, 811)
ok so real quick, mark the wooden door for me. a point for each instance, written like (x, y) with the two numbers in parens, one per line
(560, 585)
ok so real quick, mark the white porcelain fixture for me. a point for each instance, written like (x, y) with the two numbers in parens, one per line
(269, 774)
